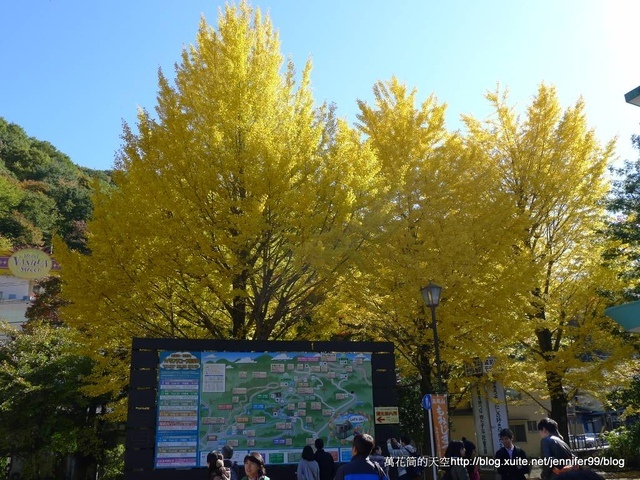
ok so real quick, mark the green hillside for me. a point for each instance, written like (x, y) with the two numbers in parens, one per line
(42, 192)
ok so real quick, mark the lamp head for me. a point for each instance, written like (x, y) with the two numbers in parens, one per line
(431, 294)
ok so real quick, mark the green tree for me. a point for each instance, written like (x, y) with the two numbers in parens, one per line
(42, 193)
(44, 414)
(624, 204)
(237, 210)
(46, 306)
(10, 197)
(552, 169)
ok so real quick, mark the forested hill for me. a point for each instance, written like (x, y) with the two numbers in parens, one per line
(42, 192)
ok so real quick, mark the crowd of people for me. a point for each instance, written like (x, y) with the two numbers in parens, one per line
(369, 463)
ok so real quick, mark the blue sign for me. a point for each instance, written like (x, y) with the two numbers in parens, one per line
(426, 402)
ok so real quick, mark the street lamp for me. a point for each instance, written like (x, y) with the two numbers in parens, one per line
(633, 97)
(431, 296)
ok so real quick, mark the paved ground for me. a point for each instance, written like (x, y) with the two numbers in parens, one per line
(614, 474)
(535, 475)
(622, 474)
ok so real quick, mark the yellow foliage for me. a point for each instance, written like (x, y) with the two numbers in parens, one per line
(244, 211)
(552, 170)
(237, 208)
(449, 223)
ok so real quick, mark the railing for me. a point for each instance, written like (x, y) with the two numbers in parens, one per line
(587, 441)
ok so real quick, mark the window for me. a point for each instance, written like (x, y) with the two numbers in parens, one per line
(532, 426)
(519, 433)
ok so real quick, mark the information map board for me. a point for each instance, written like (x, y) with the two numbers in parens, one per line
(270, 402)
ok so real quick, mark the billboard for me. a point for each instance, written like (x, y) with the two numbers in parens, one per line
(270, 402)
(273, 397)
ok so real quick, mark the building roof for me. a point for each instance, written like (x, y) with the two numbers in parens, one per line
(627, 315)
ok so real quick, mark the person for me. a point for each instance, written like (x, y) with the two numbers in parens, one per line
(403, 448)
(454, 455)
(216, 469)
(325, 460)
(470, 452)
(553, 447)
(518, 465)
(254, 468)
(308, 467)
(227, 455)
(376, 456)
(361, 467)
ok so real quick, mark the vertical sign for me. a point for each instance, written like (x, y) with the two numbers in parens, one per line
(497, 411)
(440, 416)
(178, 401)
(481, 417)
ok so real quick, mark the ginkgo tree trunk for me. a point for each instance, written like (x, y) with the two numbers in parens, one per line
(238, 206)
(552, 170)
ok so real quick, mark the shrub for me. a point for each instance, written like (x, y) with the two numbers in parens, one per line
(624, 442)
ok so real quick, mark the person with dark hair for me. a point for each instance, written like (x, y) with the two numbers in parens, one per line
(361, 467)
(553, 447)
(216, 469)
(254, 467)
(517, 465)
(469, 453)
(376, 456)
(326, 463)
(403, 449)
(308, 467)
(227, 455)
(454, 456)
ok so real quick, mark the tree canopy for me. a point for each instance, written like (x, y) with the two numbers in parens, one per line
(553, 172)
(239, 207)
(448, 222)
(624, 203)
(244, 211)
(44, 413)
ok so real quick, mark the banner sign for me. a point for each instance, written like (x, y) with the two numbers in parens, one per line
(440, 416)
(481, 419)
(497, 411)
(490, 415)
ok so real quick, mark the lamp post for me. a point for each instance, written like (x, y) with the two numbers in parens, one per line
(437, 438)
(431, 296)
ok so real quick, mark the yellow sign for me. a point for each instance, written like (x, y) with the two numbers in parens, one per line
(386, 415)
(30, 263)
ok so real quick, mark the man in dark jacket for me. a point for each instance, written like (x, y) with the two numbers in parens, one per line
(227, 454)
(512, 461)
(554, 449)
(360, 467)
(325, 461)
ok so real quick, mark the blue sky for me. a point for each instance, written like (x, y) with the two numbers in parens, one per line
(72, 70)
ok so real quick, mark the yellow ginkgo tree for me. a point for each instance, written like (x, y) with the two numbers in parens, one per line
(552, 173)
(238, 206)
(448, 222)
